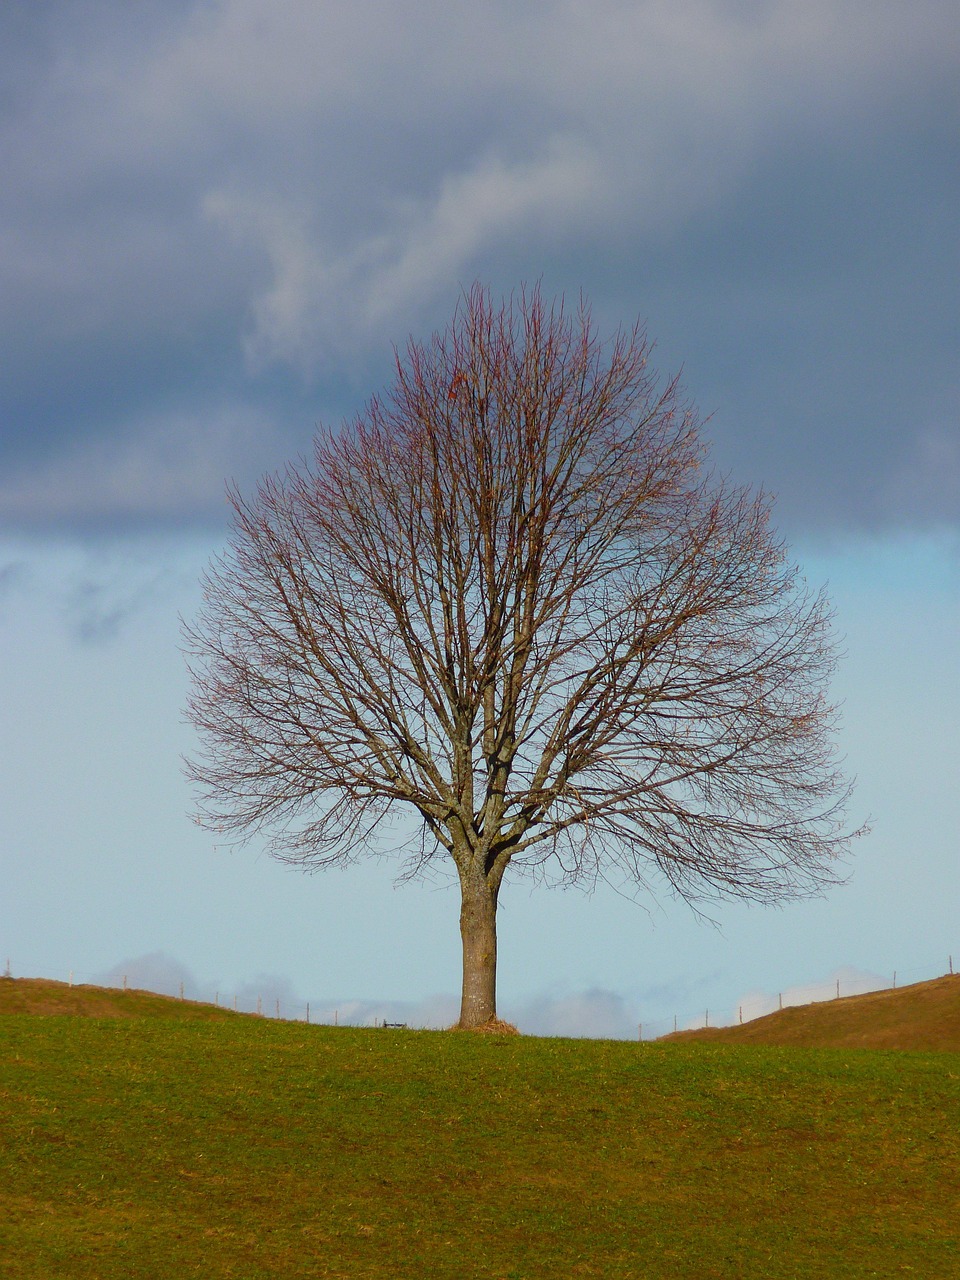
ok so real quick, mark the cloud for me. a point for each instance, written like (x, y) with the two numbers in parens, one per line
(594, 1013)
(169, 469)
(319, 300)
(103, 592)
(431, 1013)
(94, 589)
(655, 115)
(95, 613)
(13, 574)
(264, 992)
(157, 971)
(930, 474)
(160, 972)
(551, 195)
(206, 206)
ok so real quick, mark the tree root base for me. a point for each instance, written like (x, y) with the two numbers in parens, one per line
(493, 1027)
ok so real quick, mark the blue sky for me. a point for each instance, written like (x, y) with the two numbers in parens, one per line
(216, 220)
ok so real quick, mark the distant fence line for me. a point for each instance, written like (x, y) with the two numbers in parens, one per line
(287, 1010)
(368, 1014)
(760, 1004)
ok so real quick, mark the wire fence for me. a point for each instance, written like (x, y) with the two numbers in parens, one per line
(758, 1004)
(267, 1000)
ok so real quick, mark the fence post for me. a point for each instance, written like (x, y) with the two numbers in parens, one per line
(124, 982)
(640, 1030)
(71, 977)
(741, 1013)
(780, 998)
(181, 990)
(674, 1024)
(336, 1014)
(308, 1011)
(278, 1008)
(894, 979)
(950, 960)
(838, 988)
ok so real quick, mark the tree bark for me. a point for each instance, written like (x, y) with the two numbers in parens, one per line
(478, 931)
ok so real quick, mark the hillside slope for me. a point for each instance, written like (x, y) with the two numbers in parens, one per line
(925, 1015)
(44, 996)
(253, 1147)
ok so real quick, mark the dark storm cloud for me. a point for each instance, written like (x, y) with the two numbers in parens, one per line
(216, 218)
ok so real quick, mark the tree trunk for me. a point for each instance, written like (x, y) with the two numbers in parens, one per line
(478, 930)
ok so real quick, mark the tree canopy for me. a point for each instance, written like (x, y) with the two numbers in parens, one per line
(512, 598)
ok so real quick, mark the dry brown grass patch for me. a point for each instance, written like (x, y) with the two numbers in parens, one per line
(922, 1016)
(493, 1027)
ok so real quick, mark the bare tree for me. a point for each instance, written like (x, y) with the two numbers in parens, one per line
(511, 598)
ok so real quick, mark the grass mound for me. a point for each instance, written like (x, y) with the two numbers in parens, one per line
(925, 1015)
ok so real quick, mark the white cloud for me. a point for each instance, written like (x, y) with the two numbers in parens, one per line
(320, 299)
(595, 1013)
(308, 313)
(561, 190)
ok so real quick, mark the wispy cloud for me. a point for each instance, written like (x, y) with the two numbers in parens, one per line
(321, 299)
(13, 574)
(166, 469)
(96, 610)
(93, 590)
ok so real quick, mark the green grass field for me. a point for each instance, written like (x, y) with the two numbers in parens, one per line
(167, 1146)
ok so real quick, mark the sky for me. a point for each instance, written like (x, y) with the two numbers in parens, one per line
(217, 220)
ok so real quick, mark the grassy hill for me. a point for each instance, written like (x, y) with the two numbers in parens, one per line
(44, 996)
(231, 1146)
(923, 1016)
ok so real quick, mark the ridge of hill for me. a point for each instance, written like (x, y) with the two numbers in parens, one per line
(925, 1015)
(44, 996)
